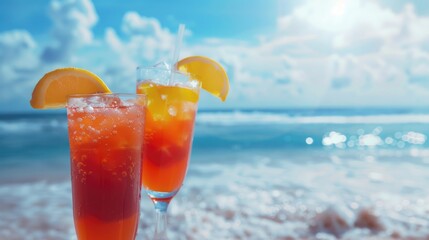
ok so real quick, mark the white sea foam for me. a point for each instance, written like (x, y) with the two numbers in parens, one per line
(30, 125)
(13, 127)
(261, 196)
(269, 193)
(261, 118)
(242, 118)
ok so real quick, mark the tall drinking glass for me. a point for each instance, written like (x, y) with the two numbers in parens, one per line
(172, 100)
(105, 135)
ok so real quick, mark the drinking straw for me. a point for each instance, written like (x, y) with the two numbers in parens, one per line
(179, 38)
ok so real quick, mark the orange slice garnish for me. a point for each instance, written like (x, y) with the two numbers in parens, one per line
(53, 88)
(210, 73)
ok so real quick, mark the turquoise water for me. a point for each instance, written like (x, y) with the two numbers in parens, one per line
(254, 174)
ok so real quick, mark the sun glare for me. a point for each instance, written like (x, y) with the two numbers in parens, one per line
(329, 15)
(338, 8)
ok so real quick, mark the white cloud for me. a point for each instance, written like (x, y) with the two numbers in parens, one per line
(113, 41)
(22, 62)
(144, 43)
(148, 40)
(339, 53)
(73, 20)
(324, 53)
(15, 42)
(17, 62)
(17, 48)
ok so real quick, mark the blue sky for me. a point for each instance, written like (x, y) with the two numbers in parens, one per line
(278, 54)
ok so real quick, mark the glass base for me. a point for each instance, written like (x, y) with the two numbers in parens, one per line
(161, 199)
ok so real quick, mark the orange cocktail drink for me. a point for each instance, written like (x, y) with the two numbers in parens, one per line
(105, 134)
(172, 99)
(113, 154)
(169, 125)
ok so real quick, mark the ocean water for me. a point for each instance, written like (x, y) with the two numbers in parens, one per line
(254, 174)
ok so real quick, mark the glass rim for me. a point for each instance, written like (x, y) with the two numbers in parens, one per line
(166, 77)
(97, 99)
(87, 95)
(139, 68)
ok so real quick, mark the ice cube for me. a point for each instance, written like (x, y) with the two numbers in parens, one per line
(160, 72)
(89, 109)
(172, 111)
(106, 101)
(112, 102)
(82, 104)
(162, 65)
(77, 103)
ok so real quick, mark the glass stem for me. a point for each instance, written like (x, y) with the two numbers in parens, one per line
(161, 220)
